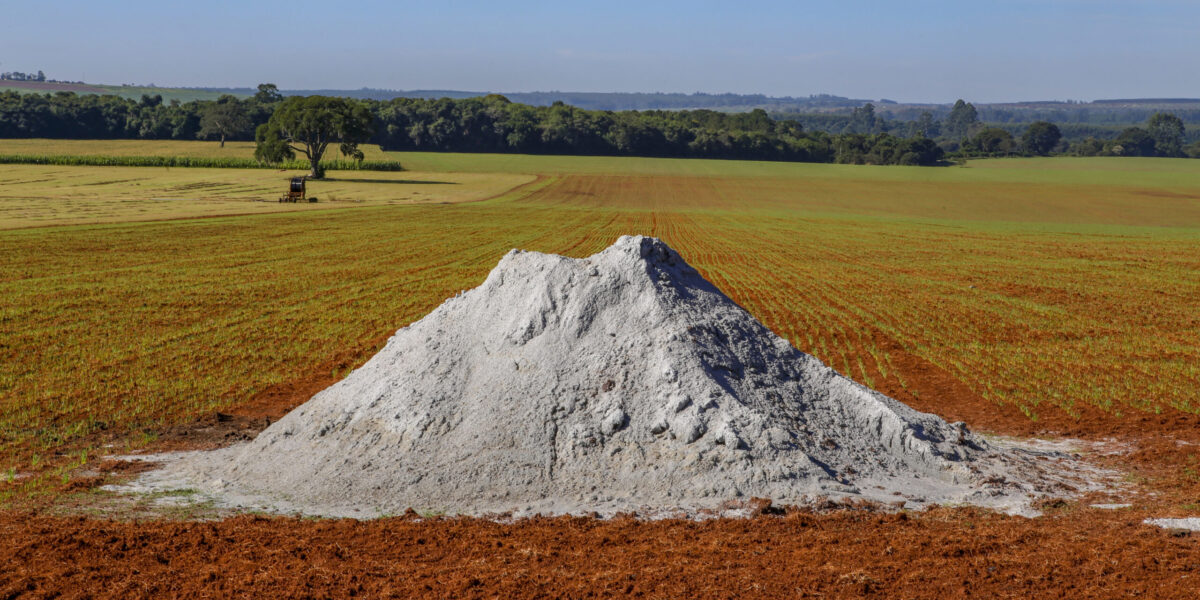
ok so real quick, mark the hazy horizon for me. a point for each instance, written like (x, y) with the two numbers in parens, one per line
(921, 51)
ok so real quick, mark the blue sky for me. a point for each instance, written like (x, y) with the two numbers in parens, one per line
(917, 50)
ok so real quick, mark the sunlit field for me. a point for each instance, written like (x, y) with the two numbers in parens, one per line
(37, 195)
(1049, 288)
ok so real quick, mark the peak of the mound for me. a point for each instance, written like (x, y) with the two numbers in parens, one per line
(629, 249)
(530, 293)
(632, 255)
(617, 381)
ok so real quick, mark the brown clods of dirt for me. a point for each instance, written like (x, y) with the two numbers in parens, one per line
(124, 467)
(943, 553)
(215, 430)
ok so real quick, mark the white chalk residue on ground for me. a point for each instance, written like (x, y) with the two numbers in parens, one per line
(1190, 523)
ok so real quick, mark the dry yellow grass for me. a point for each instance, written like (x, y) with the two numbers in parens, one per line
(37, 195)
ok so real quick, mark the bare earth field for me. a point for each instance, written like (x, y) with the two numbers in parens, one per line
(1052, 297)
(938, 554)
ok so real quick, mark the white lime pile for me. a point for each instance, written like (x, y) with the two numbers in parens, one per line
(621, 381)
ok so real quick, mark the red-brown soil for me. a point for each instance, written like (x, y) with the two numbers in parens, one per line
(940, 554)
(1073, 552)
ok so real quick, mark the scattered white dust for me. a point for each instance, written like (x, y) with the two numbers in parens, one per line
(1190, 523)
(620, 382)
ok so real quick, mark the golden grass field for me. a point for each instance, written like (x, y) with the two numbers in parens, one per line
(38, 195)
(1052, 289)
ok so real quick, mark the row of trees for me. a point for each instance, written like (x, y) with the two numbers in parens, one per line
(963, 131)
(1163, 136)
(494, 124)
(66, 115)
(19, 76)
(1040, 138)
(485, 124)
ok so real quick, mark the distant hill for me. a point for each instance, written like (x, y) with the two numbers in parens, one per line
(1151, 101)
(598, 100)
(48, 87)
(819, 111)
(133, 92)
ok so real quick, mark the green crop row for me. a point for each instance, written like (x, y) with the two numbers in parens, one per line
(192, 161)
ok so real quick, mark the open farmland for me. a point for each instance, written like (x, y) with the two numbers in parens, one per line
(1052, 300)
(42, 195)
(133, 92)
(1051, 296)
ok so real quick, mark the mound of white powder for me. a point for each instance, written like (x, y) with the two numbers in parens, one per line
(622, 381)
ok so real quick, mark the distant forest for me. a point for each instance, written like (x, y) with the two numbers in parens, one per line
(485, 124)
(1098, 112)
(596, 100)
(1076, 124)
(889, 134)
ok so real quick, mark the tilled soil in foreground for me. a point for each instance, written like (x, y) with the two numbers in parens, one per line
(942, 553)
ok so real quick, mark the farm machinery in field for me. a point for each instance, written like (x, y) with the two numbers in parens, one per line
(296, 192)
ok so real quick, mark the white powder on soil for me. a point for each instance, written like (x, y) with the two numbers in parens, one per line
(1187, 524)
(622, 381)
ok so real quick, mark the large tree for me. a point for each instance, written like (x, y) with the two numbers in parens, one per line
(1133, 141)
(1041, 137)
(961, 120)
(308, 125)
(268, 93)
(924, 126)
(993, 140)
(863, 120)
(224, 118)
(1167, 131)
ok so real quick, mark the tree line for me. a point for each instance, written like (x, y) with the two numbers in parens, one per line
(964, 132)
(66, 115)
(495, 124)
(1163, 135)
(19, 76)
(482, 124)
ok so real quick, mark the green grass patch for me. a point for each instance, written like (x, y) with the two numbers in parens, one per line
(192, 162)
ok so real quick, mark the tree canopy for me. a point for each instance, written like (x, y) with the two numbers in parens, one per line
(224, 118)
(993, 140)
(308, 125)
(1167, 131)
(961, 120)
(1041, 137)
(494, 124)
(268, 93)
(1134, 141)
